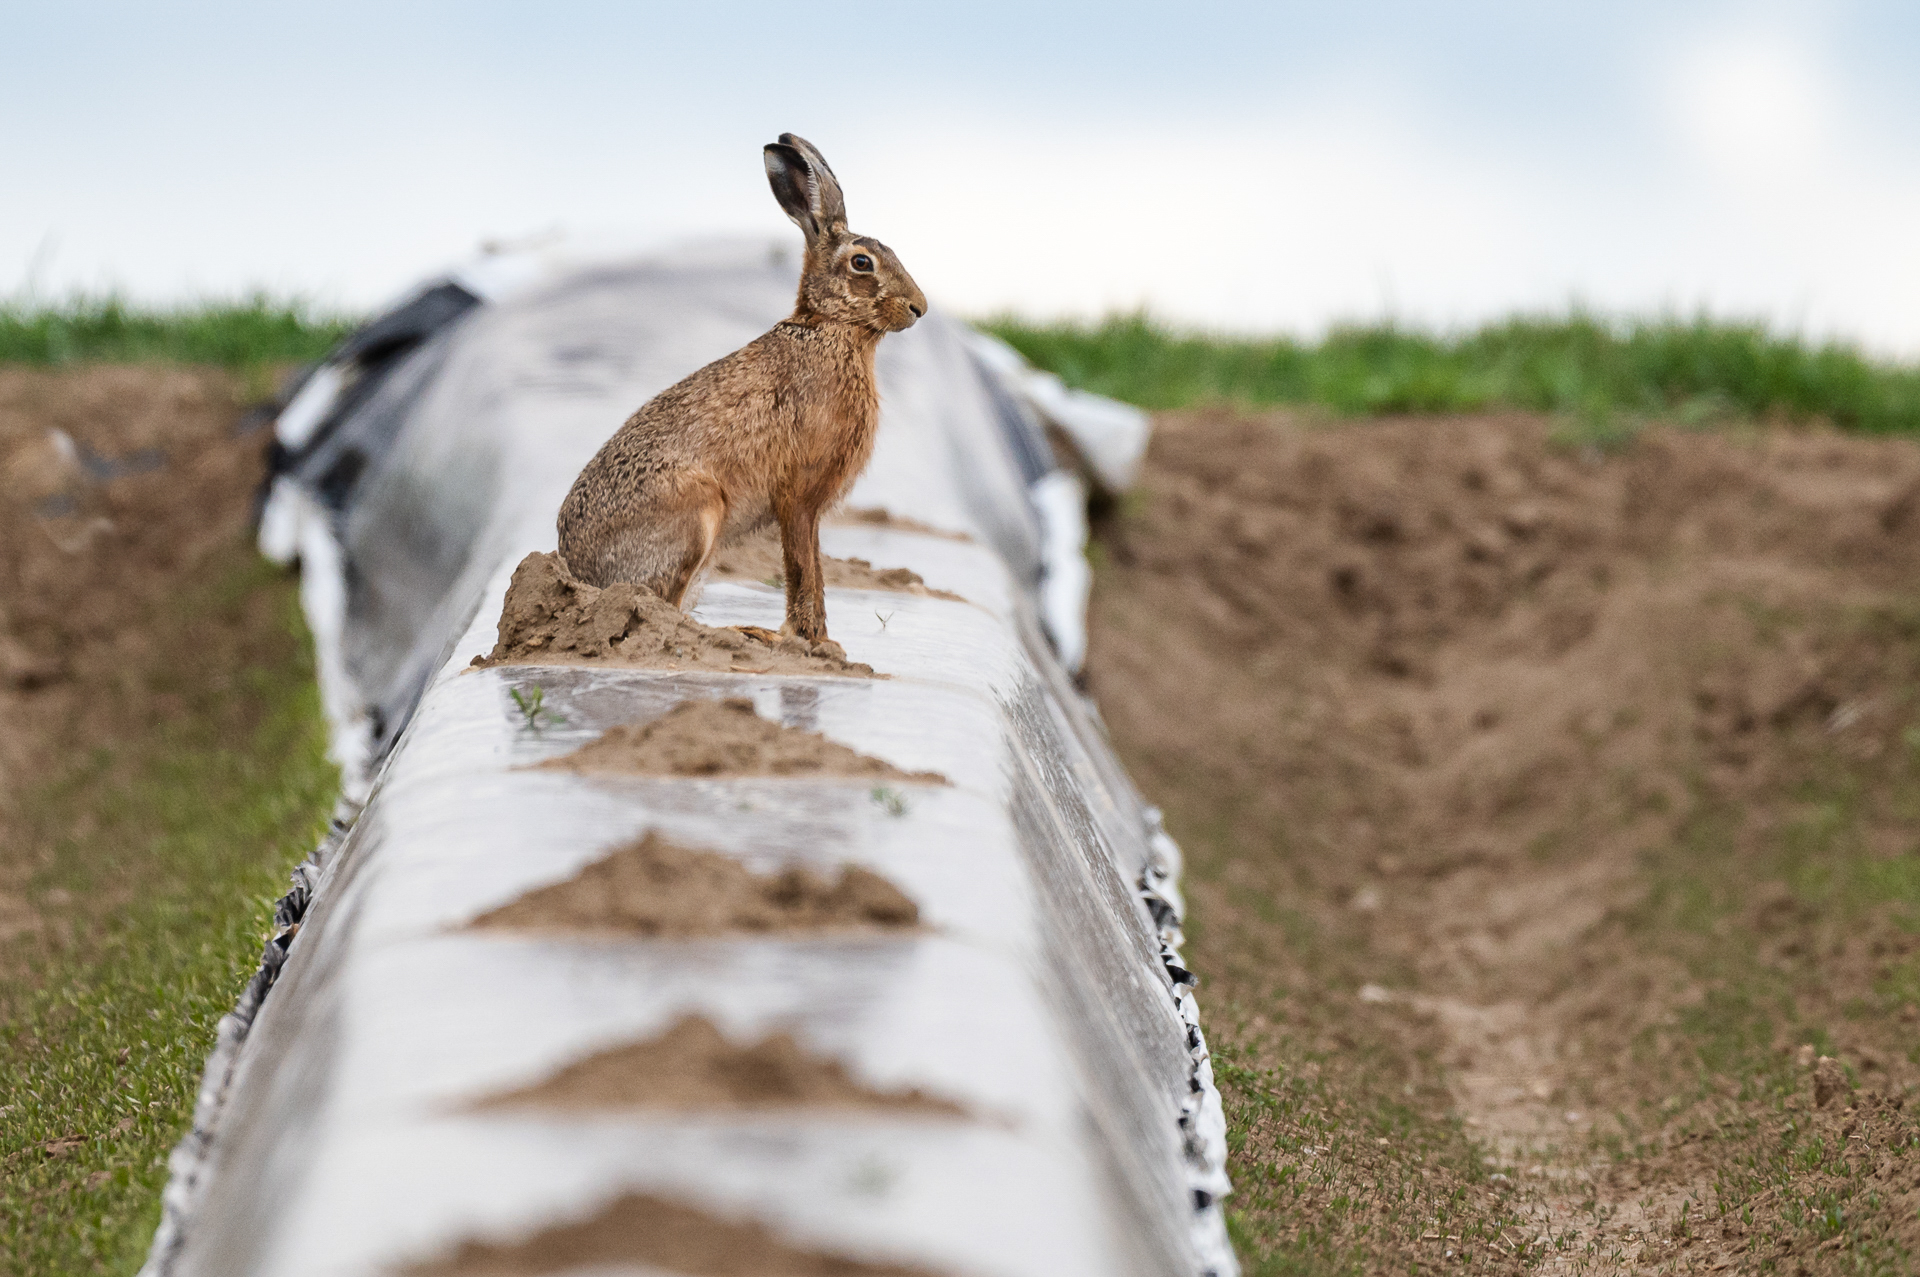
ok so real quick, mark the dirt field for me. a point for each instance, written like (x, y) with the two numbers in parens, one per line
(119, 484)
(160, 770)
(124, 488)
(1550, 814)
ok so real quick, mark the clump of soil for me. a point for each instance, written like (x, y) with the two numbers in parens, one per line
(758, 558)
(551, 617)
(658, 1233)
(656, 889)
(1568, 755)
(725, 738)
(877, 516)
(692, 1065)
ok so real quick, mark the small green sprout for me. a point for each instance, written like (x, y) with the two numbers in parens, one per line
(533, 709)
(891, 801)
(882, 619)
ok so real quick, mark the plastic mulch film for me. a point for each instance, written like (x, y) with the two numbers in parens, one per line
(1060, 1116)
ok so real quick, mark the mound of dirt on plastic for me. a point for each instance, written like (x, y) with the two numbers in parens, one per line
(1561, 758)
(692, 1065)
(875, 516)
(759, 559)
(658, 1234)
(551, 617)
(725, 738)
(656, 889)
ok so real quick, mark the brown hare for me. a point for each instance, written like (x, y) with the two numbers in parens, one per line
(776, 431)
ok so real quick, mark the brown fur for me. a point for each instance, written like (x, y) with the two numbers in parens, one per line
(776, 431)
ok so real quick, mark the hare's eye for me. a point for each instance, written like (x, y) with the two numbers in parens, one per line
(861, 262)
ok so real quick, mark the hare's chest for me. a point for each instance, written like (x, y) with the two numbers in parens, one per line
(837, 433)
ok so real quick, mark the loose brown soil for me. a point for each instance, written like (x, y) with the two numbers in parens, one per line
(1564, 793)
(725, 738)
(758, 559)
(658, 890)
(552, 618)
(692, 1065)
(660, 1233)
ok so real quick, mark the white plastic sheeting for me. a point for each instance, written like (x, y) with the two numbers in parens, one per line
(1108, 436)
(1044, 991)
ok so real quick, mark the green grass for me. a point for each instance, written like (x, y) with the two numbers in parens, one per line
(1591, 369)
(1823, 858)
(1343, 1159)
(1332, 1176)
(1790, 1177)
(231, 334)
(1595, 370)
(158, 865)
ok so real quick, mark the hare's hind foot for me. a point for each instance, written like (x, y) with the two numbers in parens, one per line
(819, 645)
(786, 640)
(761, 632)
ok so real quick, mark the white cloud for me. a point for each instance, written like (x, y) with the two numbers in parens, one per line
(1790, 201)
(1744, 177)
(1754, 103)
(1284, 223)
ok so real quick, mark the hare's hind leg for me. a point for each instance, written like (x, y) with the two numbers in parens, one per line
(700, 522)
(662, 545)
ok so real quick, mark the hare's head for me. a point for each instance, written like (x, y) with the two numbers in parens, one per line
(846, 277)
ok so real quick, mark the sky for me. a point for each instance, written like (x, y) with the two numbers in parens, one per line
(1243, 167)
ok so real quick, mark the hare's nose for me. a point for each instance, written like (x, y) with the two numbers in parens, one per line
(918, 311)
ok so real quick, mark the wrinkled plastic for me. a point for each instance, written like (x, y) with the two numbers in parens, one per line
(1109, 437)
(1044, 992)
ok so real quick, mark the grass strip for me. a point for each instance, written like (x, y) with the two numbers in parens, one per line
(1601, 371)
(158, 865)
(243, 333)
(1604, 372)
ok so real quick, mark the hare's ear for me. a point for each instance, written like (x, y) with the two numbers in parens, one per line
(806, 188)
